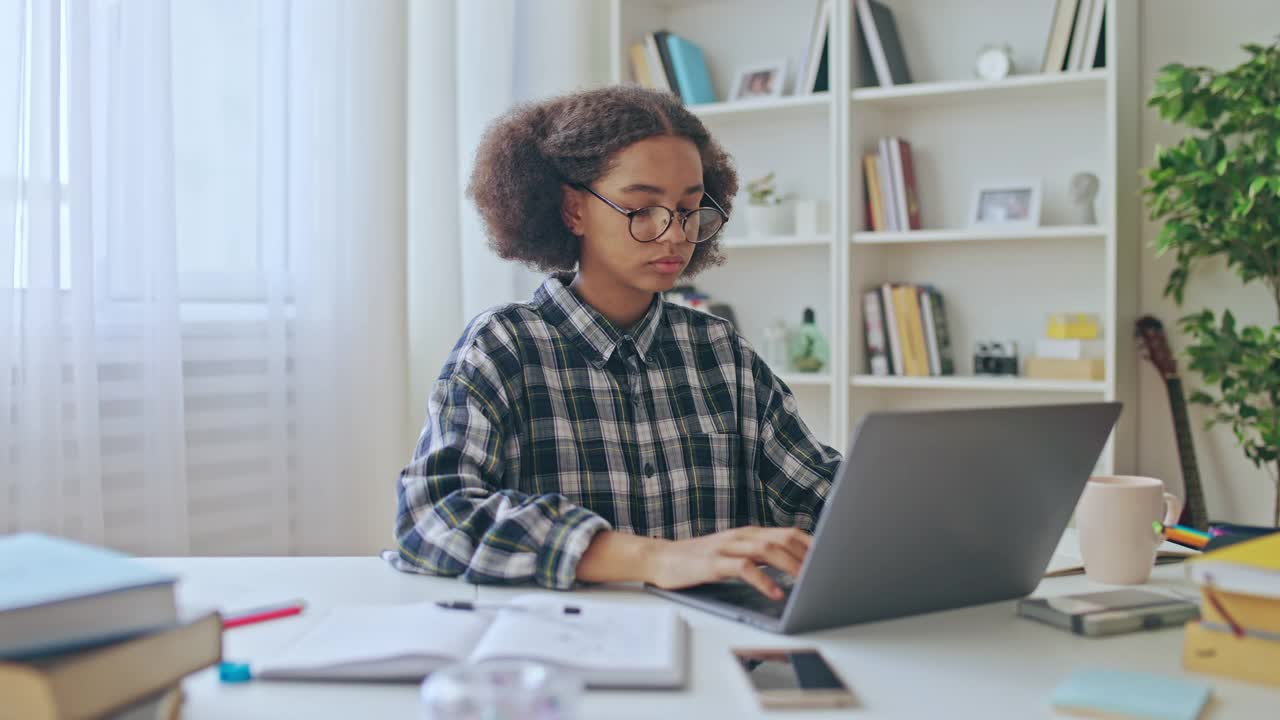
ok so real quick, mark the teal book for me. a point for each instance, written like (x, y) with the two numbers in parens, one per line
(690, 69)
(1121, 694)
(58, 595)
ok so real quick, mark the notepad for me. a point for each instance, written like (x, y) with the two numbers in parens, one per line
(1108, 693)
(606, 644)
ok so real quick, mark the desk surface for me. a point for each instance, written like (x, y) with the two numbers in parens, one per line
(973, 662)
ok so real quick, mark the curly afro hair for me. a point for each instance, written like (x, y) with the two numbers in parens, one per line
(528, 154)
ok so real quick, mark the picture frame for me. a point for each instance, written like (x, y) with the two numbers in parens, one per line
(1006, 204)
(758, 81)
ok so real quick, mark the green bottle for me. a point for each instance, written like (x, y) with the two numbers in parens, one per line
(809, 351)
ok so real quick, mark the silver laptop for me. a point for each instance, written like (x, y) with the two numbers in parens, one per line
(930, 511)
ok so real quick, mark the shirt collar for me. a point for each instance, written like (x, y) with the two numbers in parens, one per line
(590, 330)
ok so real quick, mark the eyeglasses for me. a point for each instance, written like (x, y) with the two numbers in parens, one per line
(649, 223)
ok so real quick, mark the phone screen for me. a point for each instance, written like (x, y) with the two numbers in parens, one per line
(788, 670)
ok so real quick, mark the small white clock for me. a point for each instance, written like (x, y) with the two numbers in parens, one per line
(994, 62)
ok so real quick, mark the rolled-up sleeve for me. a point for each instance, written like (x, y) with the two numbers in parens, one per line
(456, 515)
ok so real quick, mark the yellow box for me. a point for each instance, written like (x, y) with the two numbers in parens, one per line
(1064, 369)
(1073, 326)
(1247, 658)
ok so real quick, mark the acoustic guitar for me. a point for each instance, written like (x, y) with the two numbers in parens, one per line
(1155, 348)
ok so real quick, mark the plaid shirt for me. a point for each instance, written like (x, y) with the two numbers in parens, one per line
(548, 424)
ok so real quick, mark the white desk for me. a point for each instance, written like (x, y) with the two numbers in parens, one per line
(980, 662)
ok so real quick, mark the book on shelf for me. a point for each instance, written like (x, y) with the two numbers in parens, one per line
(640, 71)
(878, 32)
(690, 70)
(905, 331)
(874, 334)
(813, 77)
(891, 330)
(658, 62)
(874, 194)
(1076, 36)
(941, 333)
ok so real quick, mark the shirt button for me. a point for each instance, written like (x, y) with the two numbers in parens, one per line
(648, 470)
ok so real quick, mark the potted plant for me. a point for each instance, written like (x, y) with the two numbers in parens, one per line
(766, 215)
(1218, 193)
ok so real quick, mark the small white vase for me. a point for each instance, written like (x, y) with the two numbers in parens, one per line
(768, 220)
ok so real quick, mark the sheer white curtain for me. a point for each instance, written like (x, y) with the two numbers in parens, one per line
(469, 61)
(201, 294)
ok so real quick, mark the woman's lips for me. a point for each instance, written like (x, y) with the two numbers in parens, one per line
(671, 265)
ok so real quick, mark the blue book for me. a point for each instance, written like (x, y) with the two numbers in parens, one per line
(690, 70)
(1120, 694)
(58, 595)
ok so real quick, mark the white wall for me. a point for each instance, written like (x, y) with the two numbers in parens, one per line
(1207, 33)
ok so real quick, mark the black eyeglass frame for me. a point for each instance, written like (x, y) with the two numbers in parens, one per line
(671, 215)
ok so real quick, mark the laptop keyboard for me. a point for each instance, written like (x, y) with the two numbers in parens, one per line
(746, 596)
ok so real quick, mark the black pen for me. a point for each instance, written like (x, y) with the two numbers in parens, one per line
(468, 605)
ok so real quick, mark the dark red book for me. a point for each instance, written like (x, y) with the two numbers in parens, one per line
(909, 184)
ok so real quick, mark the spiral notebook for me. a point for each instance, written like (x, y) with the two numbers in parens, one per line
(606, 644)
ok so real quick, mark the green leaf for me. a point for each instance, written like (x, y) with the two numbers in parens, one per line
(1278, 139)
(1221, 168)
(1257, 186)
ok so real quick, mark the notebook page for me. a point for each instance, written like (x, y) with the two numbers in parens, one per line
(377, 641)
(605, 637)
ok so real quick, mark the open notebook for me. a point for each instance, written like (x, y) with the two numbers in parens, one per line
(606, 644)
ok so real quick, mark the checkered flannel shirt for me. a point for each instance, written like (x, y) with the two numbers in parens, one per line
(548, 424)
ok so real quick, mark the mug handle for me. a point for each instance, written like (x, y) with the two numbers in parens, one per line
(1172, 511)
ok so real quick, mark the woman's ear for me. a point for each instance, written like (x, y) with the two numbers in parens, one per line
(571, 208)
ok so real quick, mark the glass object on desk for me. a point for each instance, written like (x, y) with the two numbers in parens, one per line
(511, 690)
(809, 350)
(774, 350)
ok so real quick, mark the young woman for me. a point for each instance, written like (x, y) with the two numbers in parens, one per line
(596, 433)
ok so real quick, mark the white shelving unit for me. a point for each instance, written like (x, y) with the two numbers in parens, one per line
(997, 284)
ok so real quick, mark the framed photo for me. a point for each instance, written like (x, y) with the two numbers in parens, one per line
(1012, 205)
(759, 81)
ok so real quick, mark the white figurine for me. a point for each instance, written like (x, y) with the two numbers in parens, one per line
(1084, 188)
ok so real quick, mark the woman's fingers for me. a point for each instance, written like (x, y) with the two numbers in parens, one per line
(746, 568)
(769, 552)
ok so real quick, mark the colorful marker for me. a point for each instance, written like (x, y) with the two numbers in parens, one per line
(263, 614)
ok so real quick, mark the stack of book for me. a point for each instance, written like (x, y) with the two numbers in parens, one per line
(1072, 350)
(1238, 633)
(905, 328)
(665, 61)
(889, 187)
(1076, 36)
(87, 632)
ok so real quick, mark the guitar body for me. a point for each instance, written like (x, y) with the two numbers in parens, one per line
(1156, 346)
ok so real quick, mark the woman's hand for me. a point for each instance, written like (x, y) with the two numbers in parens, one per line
(730, 554)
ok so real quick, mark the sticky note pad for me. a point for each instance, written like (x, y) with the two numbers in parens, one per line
(1119, 694)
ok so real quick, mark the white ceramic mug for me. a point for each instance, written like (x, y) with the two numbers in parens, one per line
(1117, 542)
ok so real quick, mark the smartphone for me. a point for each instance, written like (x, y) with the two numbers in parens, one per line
(792, 678)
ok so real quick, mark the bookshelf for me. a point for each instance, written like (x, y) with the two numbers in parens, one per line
(997, 284)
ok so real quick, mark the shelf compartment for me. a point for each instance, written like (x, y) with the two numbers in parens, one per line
(977, 383)
(1052, 232)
